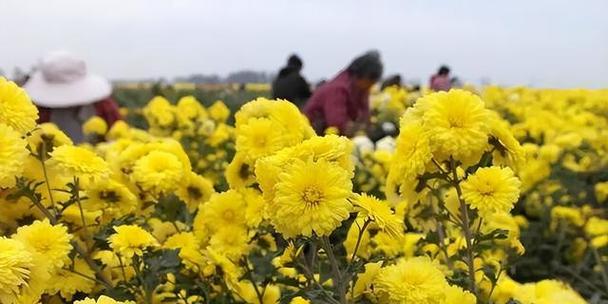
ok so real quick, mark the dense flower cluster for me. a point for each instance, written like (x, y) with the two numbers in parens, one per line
(189, 208)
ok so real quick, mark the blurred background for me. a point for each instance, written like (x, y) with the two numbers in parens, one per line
(535, 43)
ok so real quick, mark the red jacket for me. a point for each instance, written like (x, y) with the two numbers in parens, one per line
(336, 104)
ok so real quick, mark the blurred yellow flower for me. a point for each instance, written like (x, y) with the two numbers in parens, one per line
(16, 109)
(130, 240)
(13, 153)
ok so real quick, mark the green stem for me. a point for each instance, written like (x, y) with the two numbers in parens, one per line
(255, 286)
(77, 198)
(42, 159)
(599, 260)
(336, 273)
(466, 229)
(361, 232)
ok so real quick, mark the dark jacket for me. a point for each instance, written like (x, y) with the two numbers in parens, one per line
(290, 85)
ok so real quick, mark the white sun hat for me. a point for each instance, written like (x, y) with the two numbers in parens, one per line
(61, 80)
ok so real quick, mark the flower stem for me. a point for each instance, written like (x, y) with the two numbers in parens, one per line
(361, 232)
(336, 274)
(466, 228)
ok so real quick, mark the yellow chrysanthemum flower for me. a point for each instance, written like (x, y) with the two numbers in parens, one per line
(457, 123)
(194, 190)
(158, 172)
(231, 241)
(67, 282)
(95, 125)
(191, 108)
(47, 242)
(159, 112)
(114, 198)
(222, 210)
(189, 249)
(50, 133)
(130, 240)
(102, 300)
(299, 300)
(311, 197)
(415, 280)
(412, 154)
(119, 129)
(372, 209)
(491, 190)
(16, 108)
(13, 153)
(239, 173)
(80, 162)
(218, 111)
(15, 266)
(258, 138)
(366, 279)
(456, 295)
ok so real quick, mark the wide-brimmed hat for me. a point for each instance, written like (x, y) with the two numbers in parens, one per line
(62, 80)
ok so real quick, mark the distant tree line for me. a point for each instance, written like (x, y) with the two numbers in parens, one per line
(244, 76)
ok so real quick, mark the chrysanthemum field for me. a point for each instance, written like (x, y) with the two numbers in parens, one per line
(484, 195)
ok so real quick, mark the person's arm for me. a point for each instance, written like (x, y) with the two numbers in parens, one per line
(304, 88)
(335, 110)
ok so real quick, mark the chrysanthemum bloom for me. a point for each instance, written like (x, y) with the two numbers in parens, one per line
(15, 265)
(457, 123)
(366, 279)
(491, 189)
(258, 138)
(255, 211)
(159, 112)
(80, 162)
(239, 173)
(130, 240)
(372, 209)
(222, 210)
(507, 150)
(47, 242)
(456, 295)
(189, 249)
(114, 198)
(13, 153)
(311, 197)
(415, 280)
(50, 133)
(102, 300)
(218, 111)
(95, 125)
(67, 283)
(194, 190)
(411, 156)
(191, 108)
(547, 292)
(158, 172)
(231, 241)
(299, 300)
(16, 108)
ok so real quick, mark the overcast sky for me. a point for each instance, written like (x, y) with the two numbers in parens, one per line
(552, 43)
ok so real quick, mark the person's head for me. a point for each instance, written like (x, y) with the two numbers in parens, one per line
(294, 62)
(366, 70)
(62, 80)
(444, 70)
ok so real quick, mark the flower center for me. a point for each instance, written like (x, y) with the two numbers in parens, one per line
(228, 215)
(312, 196)
(194, 192)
